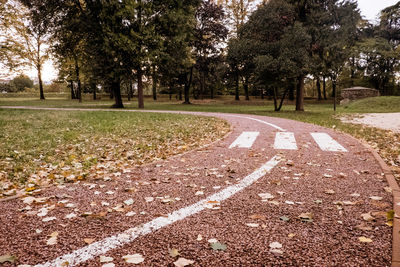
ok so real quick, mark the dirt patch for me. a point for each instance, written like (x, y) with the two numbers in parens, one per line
(386, 121)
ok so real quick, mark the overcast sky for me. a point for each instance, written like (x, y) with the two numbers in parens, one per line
(370, 8)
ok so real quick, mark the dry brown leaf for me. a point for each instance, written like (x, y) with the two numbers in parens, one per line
(367, 217)
(364, 239)
(88, 240)
(182, 262)
(135, 258)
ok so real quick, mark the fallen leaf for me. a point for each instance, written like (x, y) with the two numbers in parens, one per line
(388, 189)
(367, 217)
(88, 240)
(135, 258)
(355, 195)
(149, 199)
(106, 259)
(291, 235)
(318, 201)
(254, 225)
(173, 252)
(130, 214)
(7, 258)
(182, 262)
(266, 196)
(329, 192)
(129, 202)
(218, 246)
(199, 193)
(365, 239)
(306, 217)
(48, 219)
(289, 202)
(327, 176)
(376, 198)
(199, 238)
(284, 218)
(275, 245)
(53, 239)
(110, 264)
(212, 240)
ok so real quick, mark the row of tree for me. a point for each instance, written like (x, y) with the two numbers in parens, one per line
(203, 46)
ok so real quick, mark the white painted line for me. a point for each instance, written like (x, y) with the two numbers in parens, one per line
(261, 121)
(101, 247)
(327, 143)
(285, 140)
(245, 140)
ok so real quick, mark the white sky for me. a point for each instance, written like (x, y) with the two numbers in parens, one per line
(370, 10)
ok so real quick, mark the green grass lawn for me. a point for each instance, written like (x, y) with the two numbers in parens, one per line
(320, 113)
(43, 147)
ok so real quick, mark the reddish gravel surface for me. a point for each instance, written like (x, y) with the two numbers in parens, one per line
(298, 183)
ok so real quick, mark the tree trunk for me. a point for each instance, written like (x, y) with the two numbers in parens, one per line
(352, 74)
(78, 80)
(73, 96)
(116, 88)
(300, 94)
(202, 84)
(212, 92)
(262, 93)
(180, 93)
(319, 89)
(334, 93)
(154, 86)
(94, 87)
(237, 86)
(246, 89)
(187, 86)
(324, 87)
(291, 91)
(275, 99)
(40, 83)
(140, 87)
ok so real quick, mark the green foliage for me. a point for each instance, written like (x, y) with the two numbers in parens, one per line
(20, 83)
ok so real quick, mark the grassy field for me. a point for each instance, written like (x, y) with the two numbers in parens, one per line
(320, 113)
(43, 147)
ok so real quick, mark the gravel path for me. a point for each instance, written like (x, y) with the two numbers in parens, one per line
(386, 121)
(316, 208)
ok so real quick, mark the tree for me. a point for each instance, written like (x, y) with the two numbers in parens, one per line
(35, 36)
(21, 82)
(209, 34)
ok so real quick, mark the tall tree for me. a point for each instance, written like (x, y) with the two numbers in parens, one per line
(209, 35)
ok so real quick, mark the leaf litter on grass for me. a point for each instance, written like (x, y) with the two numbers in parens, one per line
(40, 148)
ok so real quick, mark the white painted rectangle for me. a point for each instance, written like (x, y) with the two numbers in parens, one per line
(285, 140)
(245, 140)
(327, 143)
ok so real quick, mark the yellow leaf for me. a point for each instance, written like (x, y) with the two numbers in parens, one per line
(365, 239)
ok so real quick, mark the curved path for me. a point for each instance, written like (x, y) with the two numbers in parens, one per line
(274, 192)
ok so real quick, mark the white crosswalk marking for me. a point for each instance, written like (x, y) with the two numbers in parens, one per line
(245, 140)
(327, 143)
(285, 140)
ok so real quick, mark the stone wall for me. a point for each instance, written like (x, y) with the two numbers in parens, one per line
(358, 93)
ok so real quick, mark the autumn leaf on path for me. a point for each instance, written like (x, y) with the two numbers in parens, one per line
(135, 258)
(367, 217)
(7, 258)
(53, 239)
(218, 246)
(182, 262)
(173, 252)
(306, 217)
(364, 239)
(106, 259)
